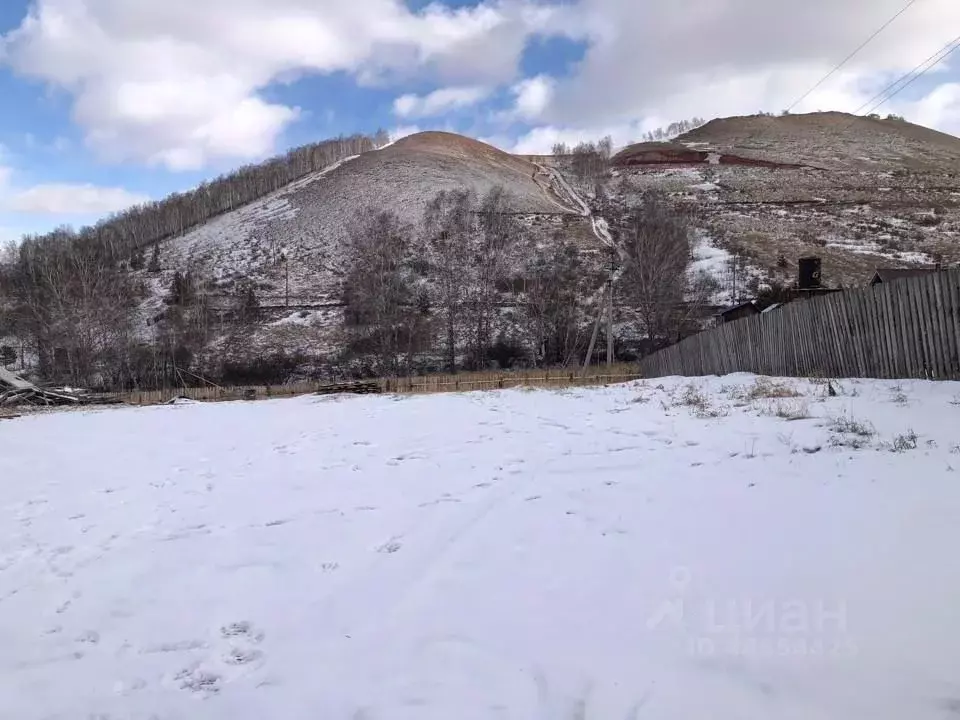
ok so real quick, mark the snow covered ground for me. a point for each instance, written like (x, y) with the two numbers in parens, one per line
(722, 548)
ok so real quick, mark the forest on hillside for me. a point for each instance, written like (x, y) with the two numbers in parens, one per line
(467, 286)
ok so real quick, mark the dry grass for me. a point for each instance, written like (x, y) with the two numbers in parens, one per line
(904, 442)
(851, 433)
(699, 403)
(790, 409)
(764, 388)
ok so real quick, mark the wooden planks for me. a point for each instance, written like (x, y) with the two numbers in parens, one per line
(907, 328)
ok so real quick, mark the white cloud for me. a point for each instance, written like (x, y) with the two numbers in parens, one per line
(438, 102)
(540, 140)
(403, 131)
(177, 82)
(532, 96)
(939, 109)
(723, 57)
(70, 199)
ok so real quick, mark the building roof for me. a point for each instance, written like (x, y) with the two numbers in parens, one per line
(8, 379)
(741, 306)
(886, 275)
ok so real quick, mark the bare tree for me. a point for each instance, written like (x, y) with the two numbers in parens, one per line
(657, 244)
(674, 129)
(496, 234)
(448, 227)
(554, 296)
(381, 311)
(73, 302)
(590, 162)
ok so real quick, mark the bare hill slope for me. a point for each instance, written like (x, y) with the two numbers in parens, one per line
(306, 221)
(859, 192)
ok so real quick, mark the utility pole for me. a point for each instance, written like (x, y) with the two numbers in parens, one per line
(286, 272)
(610, 313)
(735, 262)
(593, 338)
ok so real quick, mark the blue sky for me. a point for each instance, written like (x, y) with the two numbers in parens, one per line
(108, 103)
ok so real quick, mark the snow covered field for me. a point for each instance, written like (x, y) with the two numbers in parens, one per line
(697, 550)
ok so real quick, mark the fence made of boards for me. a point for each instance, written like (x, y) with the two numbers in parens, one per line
(462, 382)
(907, 328)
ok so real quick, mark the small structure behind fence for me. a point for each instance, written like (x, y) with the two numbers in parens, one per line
(909, 328)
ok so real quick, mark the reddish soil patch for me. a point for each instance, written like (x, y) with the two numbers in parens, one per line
(674, 154)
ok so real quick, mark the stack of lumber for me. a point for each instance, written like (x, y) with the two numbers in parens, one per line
(14, 390)
(360, 387)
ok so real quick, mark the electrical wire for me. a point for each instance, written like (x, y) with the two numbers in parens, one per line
(850, 57)
(911, 77)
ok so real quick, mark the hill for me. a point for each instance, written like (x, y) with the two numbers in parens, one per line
(307, 221)
(859, 192)
(255, 278)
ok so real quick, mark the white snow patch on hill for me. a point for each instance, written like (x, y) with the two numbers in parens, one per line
(663, 550)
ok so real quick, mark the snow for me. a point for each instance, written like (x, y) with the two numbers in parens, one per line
(301, 317)
(635, 551)
(873, 248)
(705, 187)
(715, 261)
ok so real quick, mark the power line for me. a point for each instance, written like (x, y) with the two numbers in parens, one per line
(850, 57)
(911, 77)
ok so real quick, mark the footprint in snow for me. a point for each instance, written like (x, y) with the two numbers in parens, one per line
(242, 656)
(390, 547)
(90, 636)
(241, 630)
(198, 681)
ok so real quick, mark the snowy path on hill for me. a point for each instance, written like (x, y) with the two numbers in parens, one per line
(620, 553)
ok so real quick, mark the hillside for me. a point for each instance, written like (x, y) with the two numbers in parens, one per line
(308, 220)
(859, 192)
(290, 243)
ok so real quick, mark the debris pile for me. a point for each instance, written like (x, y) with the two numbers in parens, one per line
(14, 390)
(359, 387)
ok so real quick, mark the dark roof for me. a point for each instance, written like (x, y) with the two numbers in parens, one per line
(888, 274)
(741, 306)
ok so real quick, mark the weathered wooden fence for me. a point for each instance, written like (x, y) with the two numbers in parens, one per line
(461, 382)
(907, 328)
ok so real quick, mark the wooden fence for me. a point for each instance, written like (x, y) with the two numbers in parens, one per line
(907, 328)
(463, 382)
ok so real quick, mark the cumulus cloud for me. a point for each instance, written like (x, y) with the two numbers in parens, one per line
(71, 199)
(177, 82)
(532, 96)
(438, 102)
(722, 57)
(940, 109)
(403, 131)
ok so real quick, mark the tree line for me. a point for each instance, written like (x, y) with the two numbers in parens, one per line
(69, 296)
(469, 287)
(466, 287)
